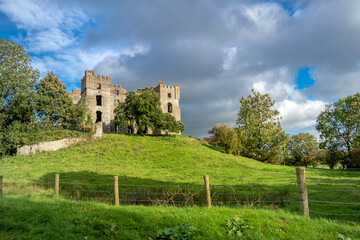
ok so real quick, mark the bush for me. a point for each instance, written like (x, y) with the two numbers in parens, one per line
(225, 136)
(237, 227)
(182, 231)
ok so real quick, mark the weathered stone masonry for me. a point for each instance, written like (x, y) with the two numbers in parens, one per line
(102, 98)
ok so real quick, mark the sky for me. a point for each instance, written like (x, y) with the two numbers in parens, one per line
(304, 53)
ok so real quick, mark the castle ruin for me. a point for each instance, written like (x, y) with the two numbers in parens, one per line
(102, 97)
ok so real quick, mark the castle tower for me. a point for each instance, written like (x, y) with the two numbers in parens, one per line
(96, 90)
(169, 98)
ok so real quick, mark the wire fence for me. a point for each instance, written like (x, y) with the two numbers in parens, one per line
(318, 199)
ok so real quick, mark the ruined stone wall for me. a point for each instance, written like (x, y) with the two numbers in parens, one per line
(169, 98)
(93, 86)
(75, 96)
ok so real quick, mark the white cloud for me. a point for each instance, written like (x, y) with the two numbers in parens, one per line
(297, 111)
(49, 26)
(299, 115)
(229, 53)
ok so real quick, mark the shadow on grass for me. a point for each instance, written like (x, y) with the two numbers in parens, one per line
(92, 186)
(212, 147)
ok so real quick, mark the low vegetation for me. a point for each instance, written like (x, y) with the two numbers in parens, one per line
(44, 218)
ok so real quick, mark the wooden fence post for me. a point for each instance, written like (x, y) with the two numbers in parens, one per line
(304, 204)
(57, 177)
(1, 184)
(207, 187)
(116, 190)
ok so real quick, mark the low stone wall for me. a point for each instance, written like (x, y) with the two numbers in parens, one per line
(47, 146)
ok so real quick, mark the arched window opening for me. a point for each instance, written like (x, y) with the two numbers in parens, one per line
(169, 107)
(99, 100)
(98, 116)
(98, 86)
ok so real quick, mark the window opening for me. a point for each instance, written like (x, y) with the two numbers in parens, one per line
(98, 100)
(98, 116)
(169, 107)
(169, 95)
(98, 86)
(117, 92)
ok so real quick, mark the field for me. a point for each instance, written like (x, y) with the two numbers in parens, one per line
(35, 218)
(169, 171)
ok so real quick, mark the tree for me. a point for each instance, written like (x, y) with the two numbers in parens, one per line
(260, 125)
(300, 147)
(169, 124)
(225, 136)
(339, 126)
(17, 92)
(55, 107)
(17, 82)
(141, 110)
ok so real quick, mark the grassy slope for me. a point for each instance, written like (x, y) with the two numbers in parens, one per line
(177, 160)
(24, 218)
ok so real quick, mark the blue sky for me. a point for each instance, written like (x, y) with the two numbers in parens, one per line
(304, 53)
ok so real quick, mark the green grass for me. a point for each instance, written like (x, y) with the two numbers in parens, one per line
(160, 164)
(41, 218)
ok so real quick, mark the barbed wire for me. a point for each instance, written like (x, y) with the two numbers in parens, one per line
(257, 201)
(247, 176)
(327, 169)
(248, 184)
(316, 191)
(72, 197)
(310, 200)
(344, 214)
(85, 184)
(36, 183)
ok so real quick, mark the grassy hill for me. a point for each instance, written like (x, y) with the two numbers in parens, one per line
(169, 170)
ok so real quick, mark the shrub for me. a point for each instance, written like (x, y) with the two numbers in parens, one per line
(182, 231)
(225, 136)
(237, 227)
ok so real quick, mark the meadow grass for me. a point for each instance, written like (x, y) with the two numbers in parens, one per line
(49, 218)
(160, 164)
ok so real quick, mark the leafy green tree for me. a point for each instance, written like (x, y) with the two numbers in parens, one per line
(317, 157)
(17, 82)
(54, 104)
(260, 124)
(55, 107)
(17, 92)
(339, 126)
(141, 110)
(225, 136)
(300, 147)
(169, 124)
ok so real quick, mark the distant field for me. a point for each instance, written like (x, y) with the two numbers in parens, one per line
(150, 166)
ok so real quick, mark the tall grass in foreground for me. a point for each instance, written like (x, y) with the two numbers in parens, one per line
(46, 218)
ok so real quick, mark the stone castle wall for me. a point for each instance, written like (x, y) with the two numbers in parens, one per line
(102, 98)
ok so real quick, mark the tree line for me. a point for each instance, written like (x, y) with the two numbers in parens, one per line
(258, 134)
